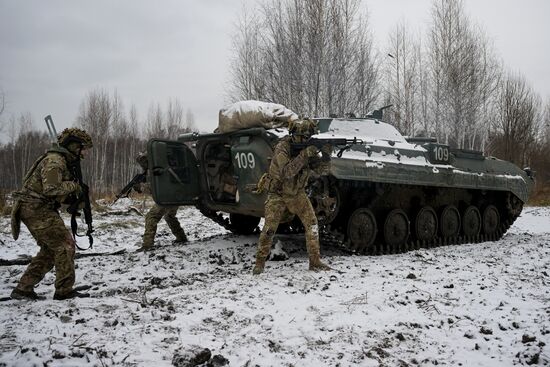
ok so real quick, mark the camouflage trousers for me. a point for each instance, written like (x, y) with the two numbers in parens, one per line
(153, 217)
(275, 208)
(57, 248)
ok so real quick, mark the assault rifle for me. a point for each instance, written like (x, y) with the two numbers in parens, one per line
(76, 200)
(343, 143)
(139, 178)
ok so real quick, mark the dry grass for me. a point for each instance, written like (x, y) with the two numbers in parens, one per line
(541, 196)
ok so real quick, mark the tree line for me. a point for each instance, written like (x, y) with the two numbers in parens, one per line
(118, 136)
(318, 58)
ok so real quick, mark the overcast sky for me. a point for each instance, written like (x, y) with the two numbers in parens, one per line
(53, 52)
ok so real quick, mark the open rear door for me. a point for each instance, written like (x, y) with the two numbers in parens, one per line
(173, 173)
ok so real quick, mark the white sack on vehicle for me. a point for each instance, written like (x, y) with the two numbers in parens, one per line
(247, 114)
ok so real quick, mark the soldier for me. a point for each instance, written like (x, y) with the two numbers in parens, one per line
(46, 186)
(155, 214)
(286, 181)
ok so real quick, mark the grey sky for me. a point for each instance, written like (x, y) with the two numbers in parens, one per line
(53, 52)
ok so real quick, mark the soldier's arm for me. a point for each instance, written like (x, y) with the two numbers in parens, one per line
(320, 166)
(293, 167)
(52, 179)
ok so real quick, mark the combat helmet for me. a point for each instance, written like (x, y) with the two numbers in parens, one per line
(304, 128)
(141, 159)
(75, 135)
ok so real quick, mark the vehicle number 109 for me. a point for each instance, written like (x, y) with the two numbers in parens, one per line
(441, 153)
(245, 160)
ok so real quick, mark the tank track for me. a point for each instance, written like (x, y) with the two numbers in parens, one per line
(333, 237)
(330, 236)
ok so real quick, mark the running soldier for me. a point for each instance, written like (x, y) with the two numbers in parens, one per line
(48, 184)
(286, 182)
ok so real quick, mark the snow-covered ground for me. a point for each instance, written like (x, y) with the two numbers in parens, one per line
(482, 304)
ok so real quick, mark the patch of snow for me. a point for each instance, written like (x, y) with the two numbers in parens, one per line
(366, 129)
(481, 304)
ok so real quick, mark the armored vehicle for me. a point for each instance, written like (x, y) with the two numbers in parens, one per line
(385, 194)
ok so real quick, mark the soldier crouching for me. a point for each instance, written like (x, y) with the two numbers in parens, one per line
(46, 186)
(287, 179)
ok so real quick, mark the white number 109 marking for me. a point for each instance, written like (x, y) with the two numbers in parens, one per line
(245, 160)
(441, 153)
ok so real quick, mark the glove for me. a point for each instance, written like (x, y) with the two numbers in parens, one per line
(326, 152)
(77, 189)
(311, 151)
(327, 149)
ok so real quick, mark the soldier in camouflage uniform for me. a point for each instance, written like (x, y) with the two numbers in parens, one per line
(47, 185)
(155, 214)
(286, 181)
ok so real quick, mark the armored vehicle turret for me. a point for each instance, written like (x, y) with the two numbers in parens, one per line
(385, 193)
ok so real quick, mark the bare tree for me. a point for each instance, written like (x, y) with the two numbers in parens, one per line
(518, 120)
(25, 140)
(119, 129)
(247, 66)
(2, 107)
(134, 144)
(464, 73)
(403, 79)
(190, 120)
(546, 123)
(315, 57)
(155, 122)
(174, 119)
(95, 116)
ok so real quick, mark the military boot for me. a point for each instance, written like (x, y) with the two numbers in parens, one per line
(259, 266)
(316, 264)
(147, 244)
(72, 294)
(29, 295)
(180, 239)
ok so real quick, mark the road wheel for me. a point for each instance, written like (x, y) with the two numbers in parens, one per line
(426, 224)
(362, 230)
(396, 229)
(471, 221)
(491, 220)
(449, 221)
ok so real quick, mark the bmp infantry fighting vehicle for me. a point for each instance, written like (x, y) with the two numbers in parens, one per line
(385, 193)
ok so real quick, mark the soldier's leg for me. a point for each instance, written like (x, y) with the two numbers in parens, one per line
(152, 218)
(301, 206)
(174, 224)
(64, 263)
(40, 265)
(57, 249)
(274, 209)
